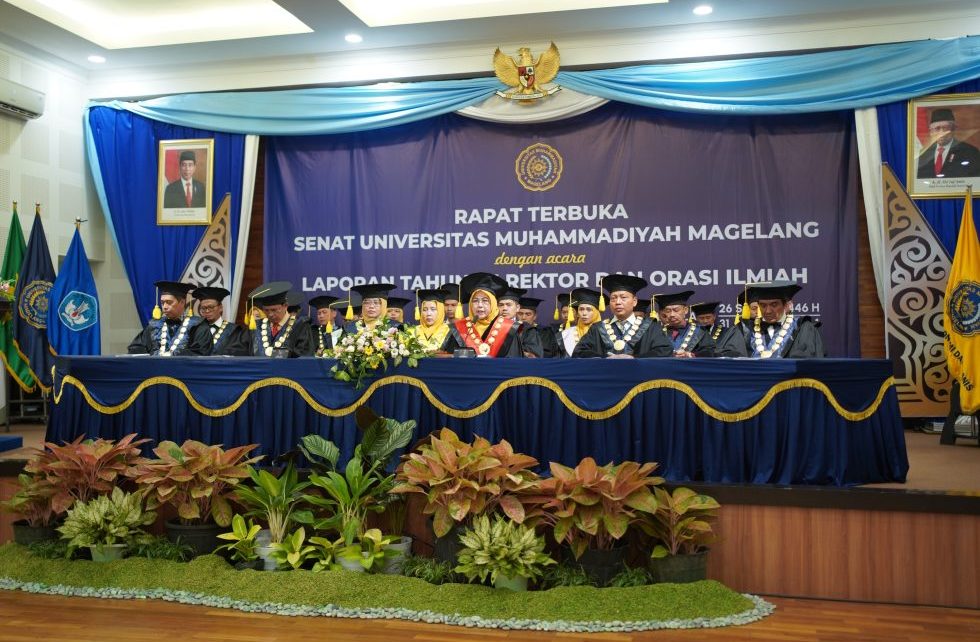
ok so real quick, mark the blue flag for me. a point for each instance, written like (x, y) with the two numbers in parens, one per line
(30, 319)
(73, 313)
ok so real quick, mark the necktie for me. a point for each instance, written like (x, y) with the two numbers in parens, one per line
(939, 160)
(275, 329)
(188, 194)
(674, 333)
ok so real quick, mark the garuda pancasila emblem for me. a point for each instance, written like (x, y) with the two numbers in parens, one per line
(525, 75)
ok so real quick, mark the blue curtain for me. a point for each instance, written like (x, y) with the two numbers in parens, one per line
(822, 81)
(943, 214)
(125, 149)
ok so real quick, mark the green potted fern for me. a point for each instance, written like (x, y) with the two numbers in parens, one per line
(275, 501)
(681, 528)
(107, 525)
(508, 554)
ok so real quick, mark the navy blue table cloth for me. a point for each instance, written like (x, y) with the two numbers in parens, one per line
(828, 421)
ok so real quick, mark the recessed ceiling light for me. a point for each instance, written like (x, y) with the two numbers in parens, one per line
(703, 10)
(96, 59)
(353, 38)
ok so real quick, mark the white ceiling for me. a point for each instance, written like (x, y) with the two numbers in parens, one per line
(460, 48)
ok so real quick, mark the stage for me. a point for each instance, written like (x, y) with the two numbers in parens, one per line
(825, 422)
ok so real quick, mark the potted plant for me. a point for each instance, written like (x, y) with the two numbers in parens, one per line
(325, 553)
(83, 469)
(241, 543)
(460, 480)
(107, 525)
(274, 500)
(368, 554)
(591, 507)
(197, 479)
(681, 526)
(32, 502)
(509, 554)
(293, 550)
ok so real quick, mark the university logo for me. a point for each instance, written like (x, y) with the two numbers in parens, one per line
(539, 167)
(78, 311)
(33, 304)
(964, 308)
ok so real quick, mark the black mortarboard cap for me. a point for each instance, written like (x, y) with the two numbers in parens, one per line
(439, 295)
(672, 298)
(272, 293)
(563, 299)
(374, 290)
(529, 303)
(294, 299)
(512, 293)
(187, 155)
(705, 308)
(323, 301)
(941, 114)
(397, 302)
(642, 305)
(482, 281)
(623, 283)
(773, 290)
(174, 288)
(218, 294)
(586, 296)
(451, 289)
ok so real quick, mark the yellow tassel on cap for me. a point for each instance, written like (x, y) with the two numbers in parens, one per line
(157, 312)
(330, 324)
(653, 312)
(602, 297)
(250, 313)
(557, 308)
(570, 315)
(746, 308)
(349, 314)
(418, 313)
(458, 312)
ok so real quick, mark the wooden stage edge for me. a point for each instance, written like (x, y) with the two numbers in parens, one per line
(850, 544)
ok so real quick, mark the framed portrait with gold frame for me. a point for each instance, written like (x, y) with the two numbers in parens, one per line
(943, 158)
(184, 181)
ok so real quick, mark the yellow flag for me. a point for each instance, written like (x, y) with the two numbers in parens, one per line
(961, 313)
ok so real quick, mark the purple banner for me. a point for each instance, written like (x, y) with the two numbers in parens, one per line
(684, 201)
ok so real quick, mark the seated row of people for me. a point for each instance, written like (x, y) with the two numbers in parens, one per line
(500, 322)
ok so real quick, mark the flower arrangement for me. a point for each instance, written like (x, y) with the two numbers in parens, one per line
(369, 349)
(7, 287)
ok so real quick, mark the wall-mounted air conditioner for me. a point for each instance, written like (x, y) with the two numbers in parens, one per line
(20, 101)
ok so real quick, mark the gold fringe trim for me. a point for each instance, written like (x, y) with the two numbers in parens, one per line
(469, 413)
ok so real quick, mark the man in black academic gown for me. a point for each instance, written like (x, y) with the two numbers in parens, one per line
(623, 336)
(174, 333)
(484, 330)
(528, 315)
(509, 304)
(279, 333)
(227, 338)
(707, 317)
(777, 332)
(685, 335)
(452, 293)
(732, 341)
(323, 330)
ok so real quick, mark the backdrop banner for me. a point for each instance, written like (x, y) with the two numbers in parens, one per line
(686, 201)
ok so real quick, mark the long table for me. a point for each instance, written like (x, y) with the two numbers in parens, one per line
(827, 421)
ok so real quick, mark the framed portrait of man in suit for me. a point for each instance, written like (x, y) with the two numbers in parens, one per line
(943, 146)
(184, 181)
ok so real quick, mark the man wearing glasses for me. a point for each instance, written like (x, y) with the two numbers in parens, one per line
(227, 338)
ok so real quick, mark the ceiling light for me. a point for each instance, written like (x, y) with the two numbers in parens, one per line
(96, 59)
(353, 38)
(703, 10)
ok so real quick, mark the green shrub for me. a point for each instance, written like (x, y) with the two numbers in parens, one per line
(630, 577)
(564, 575)
(50, 549)
(501, 548)
(428, 569)
(161, 548)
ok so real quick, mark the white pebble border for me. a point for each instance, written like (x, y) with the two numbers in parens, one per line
(759, 611)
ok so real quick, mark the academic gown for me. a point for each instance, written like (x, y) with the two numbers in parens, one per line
(299, 341)
(732, 342)
(322, 341)
(648, 341)
(196, 340)
(232, 341)
(701, 343)
(530, 339)
(804, 342)
(511, 346)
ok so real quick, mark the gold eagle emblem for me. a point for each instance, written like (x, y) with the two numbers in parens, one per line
(527, 76)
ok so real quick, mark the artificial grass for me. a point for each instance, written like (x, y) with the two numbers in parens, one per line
(211, 575)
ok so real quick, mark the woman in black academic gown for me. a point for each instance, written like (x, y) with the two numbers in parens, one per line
(484, 330)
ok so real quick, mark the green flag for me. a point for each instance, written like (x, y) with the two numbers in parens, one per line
(13, 257)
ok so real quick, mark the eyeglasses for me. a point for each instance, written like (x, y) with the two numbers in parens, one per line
(207, 308)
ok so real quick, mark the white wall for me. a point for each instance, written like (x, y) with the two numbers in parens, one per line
(43, 161)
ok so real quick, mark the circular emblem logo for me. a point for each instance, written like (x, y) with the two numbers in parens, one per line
(33, 306)
(78, 311)
(538, 167)
(963, 307)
